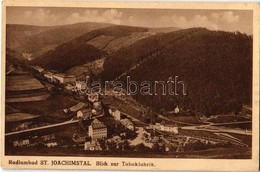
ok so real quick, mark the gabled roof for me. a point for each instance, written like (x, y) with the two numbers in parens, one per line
(126, 122)
(77, 107)
(96, 124)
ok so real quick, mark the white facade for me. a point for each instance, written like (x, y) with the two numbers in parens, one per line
(63, 79)
(53, 144)
(49, 76)
(21, 143)
(97, 130)
(170, 128)
(177, 110)
(166, 127)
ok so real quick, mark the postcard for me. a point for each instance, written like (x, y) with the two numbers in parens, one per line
(130, 85)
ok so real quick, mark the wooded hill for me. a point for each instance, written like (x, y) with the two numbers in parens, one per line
(216, 67)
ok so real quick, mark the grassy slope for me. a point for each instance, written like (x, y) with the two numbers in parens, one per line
(43, 39)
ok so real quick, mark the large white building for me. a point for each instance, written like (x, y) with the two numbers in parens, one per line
(166, 127)
(97, 130)
(63, 78)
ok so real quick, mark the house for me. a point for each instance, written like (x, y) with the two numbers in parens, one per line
(128, 124)
(97, 130)
(115, 113)
(92, 145)
(64, 78)
(81, 85)
(21, 143)
(177, 110)
(84, 114)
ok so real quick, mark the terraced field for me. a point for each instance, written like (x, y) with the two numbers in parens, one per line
(22, 87)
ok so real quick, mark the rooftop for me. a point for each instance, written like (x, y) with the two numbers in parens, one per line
(64, 75)
(96, 124)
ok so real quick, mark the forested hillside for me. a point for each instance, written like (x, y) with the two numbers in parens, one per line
(78, 51)
(216, 67)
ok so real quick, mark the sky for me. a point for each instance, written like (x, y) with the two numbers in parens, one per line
(234, 20)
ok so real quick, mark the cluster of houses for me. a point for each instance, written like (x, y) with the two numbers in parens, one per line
(97, 130)
(116, 114)
(94, 110)
(55, 77)
(46, 140)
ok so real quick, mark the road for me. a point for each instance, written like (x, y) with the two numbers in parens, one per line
(40, 128)
(215, 129)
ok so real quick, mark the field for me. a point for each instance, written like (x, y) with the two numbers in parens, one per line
(19, 117)
(111, 44)
(45, 107)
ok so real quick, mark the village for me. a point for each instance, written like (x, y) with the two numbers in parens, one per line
(92, 124)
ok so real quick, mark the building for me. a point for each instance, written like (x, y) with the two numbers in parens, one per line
(81, 85)
(38, 69)
(97, 130)
(92, 145)
(166, 127)
(49, 76)
(170, 128)
(84, 114)
(21, 143)
(77, 107)
(63, 78)
(52, 144)
(128, 124)
(177, 110)
(48, 137)
(115, 113)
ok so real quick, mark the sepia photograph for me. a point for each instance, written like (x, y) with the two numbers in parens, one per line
(92, 82)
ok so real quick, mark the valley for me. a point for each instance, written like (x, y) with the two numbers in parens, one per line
(51, 69)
